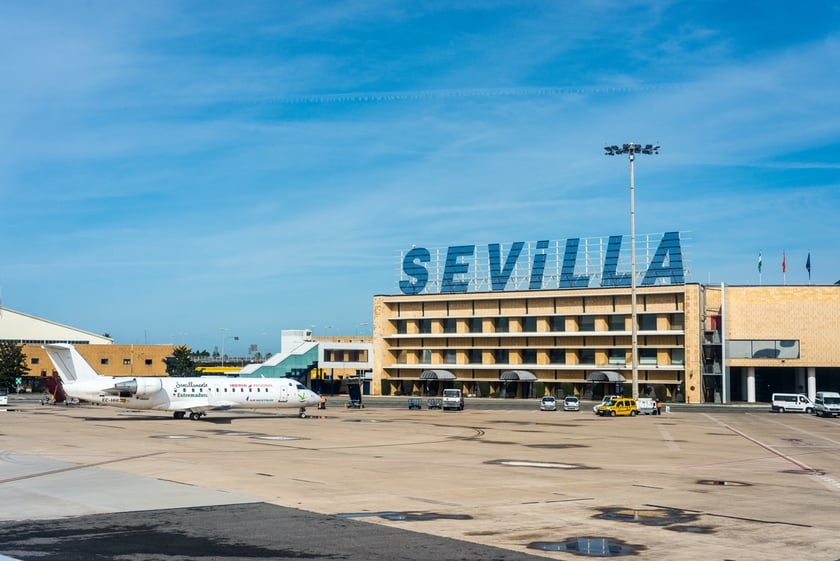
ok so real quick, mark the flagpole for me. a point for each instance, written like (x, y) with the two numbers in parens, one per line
(759, 268)
(808, 266)
(784, 269)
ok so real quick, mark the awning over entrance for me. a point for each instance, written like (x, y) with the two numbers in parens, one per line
(517, 375)
(437, 375)
(605, 376)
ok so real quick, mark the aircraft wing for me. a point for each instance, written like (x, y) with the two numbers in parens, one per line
(199, 406)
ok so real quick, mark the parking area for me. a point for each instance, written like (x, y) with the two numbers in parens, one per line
(721, 483)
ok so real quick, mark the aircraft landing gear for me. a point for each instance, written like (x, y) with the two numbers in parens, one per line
(195, 416)
(302, 413)
(178, 414)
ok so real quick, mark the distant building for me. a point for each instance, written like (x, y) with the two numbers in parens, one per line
(107, 358)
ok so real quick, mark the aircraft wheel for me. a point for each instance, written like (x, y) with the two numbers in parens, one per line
(178, 414)
(195, 416)
(302, 413)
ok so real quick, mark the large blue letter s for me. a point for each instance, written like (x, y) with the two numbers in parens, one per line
(412, 268)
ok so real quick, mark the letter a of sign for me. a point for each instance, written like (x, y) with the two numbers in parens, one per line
(667, 263)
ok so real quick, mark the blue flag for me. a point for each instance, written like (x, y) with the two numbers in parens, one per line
(808, 265)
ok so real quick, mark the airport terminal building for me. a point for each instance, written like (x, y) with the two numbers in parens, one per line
(526, 319)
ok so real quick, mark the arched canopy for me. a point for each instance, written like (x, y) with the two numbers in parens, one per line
(437, 375)
(605, 376)
(517, 375)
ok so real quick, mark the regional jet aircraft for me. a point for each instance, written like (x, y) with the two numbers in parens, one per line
(195, 396)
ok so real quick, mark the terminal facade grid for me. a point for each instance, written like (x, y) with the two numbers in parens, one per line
(696, 343)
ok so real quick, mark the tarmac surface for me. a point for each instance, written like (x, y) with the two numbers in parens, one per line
(383, 482)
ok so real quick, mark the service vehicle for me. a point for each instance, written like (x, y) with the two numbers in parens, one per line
(791, 402)
(619, 406)
(452, 399)
(415, 403)
(4, 397)
(827, 404)
(548, 403)
(647, 406)
(571, 403)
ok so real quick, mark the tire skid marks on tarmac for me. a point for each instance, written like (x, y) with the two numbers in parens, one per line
(826, 480)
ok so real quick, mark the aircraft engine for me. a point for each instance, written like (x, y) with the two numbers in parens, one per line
(140, 386)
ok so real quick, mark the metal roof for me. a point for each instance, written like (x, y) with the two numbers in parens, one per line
(520, 375)
(437, 375)
(605, 376)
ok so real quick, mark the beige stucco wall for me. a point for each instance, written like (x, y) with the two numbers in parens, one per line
(810, 314)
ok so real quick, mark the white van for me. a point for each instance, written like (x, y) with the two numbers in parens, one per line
(646, 406)
(827, 404)
(791, 402)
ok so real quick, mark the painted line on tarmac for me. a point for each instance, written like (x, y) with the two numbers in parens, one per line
(797, 429)
(77, 467)
(794, 461)
(669, 440)
(827, 480)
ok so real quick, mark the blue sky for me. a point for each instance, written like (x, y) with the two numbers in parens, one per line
(181, 172)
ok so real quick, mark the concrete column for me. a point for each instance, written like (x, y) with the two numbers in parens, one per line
(800, 380)
(812, 382)
(751, 384)
(743, 376)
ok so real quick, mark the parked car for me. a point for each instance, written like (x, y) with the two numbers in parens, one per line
(571, 403)
(548, 403)
(827, 404)
(604, 401)
(791, 402)
(619, 406)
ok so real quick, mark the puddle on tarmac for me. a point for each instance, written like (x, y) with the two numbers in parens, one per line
(233, 433)
(648, 517)
(175, 436)
(405, 516)
(557, 446)
(691, 529)
(543, 465)
(723, 482)
(590, 546)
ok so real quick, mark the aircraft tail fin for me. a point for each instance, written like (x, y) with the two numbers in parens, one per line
(71, 366)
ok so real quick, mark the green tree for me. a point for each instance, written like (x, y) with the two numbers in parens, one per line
(180, 364)
(12, 364)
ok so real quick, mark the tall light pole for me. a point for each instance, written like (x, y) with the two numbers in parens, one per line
(234, 337)
(632, 149)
